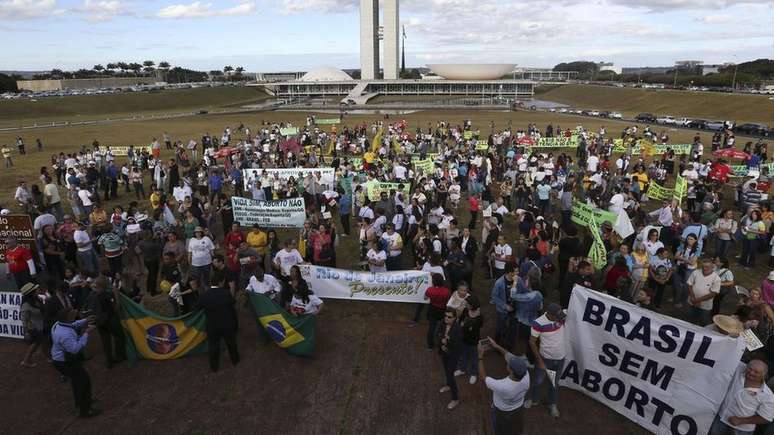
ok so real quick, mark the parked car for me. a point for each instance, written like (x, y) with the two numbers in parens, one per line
(714, 125)
(563, 110)
(615, 115)
(645, 117)
(683, 122)
(594, 112)
(665, 119)
(604, 114)
(752, 129)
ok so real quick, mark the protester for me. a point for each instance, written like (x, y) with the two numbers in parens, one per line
(31, 313)
(448, 338)
(69, 337)
(509, 393)
(218, 306)
(748, 402)
(547, 344)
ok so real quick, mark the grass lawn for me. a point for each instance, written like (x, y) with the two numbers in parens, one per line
(86, 107)
(631, 101)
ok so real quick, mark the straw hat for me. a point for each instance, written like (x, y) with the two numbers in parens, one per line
(28, 288)
(728, 324)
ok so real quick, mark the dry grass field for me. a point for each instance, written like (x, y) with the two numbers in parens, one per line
(631, 101)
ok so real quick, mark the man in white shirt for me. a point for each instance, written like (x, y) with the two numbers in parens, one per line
(690, 173)
(703, 286)
(507, 393)
(264, 284)
(592, 163)
(616, 201)
(748, 402)
(85, 197)
(547, 344)
(87, 258)
(502, 253)
(399, 171)
(200, 249)
(288, 257)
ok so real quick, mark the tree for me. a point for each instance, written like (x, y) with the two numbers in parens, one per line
(582, 66)
(111, 67)
(57, 73)
(7, 83)
(148, 66)
(227, 69)
(123, 66)
(98, 68)
(136, 67)
(164, 65)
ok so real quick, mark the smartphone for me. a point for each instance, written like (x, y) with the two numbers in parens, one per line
(484, 342)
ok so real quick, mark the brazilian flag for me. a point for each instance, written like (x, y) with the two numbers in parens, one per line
(295, 334)
(156, 337)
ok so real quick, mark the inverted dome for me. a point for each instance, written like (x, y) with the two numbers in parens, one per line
(325, 74)
(472, 71)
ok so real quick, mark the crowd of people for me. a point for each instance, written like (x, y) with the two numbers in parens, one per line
(492, 206)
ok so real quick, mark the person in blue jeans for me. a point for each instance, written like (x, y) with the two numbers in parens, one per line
(547, 343)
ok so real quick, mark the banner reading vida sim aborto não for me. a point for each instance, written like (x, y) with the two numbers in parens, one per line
(666, 375)
(283, 213)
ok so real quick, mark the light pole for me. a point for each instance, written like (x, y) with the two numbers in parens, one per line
(733, 81)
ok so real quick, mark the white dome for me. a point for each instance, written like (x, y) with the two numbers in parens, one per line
(472, 71)
(325, 74)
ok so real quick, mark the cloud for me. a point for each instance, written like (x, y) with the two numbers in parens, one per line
(103, 10)
(715, 19)
(198, 9)
(667, 5)
(28, 9)
(319, 6)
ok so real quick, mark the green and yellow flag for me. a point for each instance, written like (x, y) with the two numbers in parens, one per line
(295, 334)
(155, 337)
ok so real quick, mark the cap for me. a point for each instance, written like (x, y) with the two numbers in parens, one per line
(516, 364)
(28, 288)
(555, 310)
(771, 275)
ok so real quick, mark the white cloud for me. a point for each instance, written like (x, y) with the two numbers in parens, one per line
(28, 9)
(198, 9)
(667, 5)
(103, 10)
(319, 6)
(715, 19)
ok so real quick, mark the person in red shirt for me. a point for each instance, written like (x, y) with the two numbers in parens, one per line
(20, 262)
(473, 200)
(618, 271)
(438, 295)
(234, 236)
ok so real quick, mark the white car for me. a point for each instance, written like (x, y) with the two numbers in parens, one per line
(683, 122)
(563, 110)
(615, 115)
(668, 120)
(594, 113)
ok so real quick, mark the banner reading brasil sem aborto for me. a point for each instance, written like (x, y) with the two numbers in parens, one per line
(283, 213)
(397, 286)
(666, 375)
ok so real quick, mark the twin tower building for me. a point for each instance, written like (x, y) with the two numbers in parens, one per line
(369, 39)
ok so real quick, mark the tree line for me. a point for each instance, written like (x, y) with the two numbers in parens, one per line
(148, 68)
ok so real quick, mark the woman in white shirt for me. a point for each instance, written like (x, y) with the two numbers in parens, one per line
(652, 244)
(303, 300)
(376, 257)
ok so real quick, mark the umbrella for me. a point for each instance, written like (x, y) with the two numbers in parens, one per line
(730, 153)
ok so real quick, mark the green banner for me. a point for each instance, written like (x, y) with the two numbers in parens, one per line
(428, 156)
(327, 121)
(426, 166)
(582, 214)
(289, 131)
(482, 145)
(653, 149)
(681, 187)
(467, 135)
(558, 142)
(598, 252)
(375, 188)
(657, 192)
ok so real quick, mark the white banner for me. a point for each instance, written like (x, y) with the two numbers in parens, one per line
(325, 176)
(10, 315)
(284, 213)
(398, 286)
(666, 375)
(123, 150)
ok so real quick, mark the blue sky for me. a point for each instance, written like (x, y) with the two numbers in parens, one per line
(277, 35)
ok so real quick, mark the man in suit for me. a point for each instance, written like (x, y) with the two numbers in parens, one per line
(218, 306)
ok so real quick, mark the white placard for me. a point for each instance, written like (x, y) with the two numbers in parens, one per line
(397, 286)
(284, 213)
(325, 176)
(10, 315)
(664, 374)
